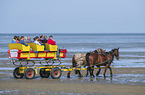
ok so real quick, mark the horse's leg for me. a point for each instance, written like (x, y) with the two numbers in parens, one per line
(68, 74)
(110, 71)
(107, 65)
(87, 71)
(80, 75)
(93, 70)
(105, 72)
(90, 70)
(98, 71)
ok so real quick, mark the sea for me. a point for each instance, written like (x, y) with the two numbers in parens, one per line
(131, 46)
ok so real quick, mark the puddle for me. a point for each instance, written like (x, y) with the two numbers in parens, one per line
(31, 92)
(7, 68)
(13, 92)
(131, 79)
(128, 63)
(4, 58)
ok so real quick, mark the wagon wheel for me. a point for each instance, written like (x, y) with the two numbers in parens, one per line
(16, 73)
(29, 73)
(55, 73)
(44, 74)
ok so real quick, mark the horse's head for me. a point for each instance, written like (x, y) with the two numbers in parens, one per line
(116, 53)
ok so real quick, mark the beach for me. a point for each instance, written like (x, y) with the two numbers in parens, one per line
(74, 85)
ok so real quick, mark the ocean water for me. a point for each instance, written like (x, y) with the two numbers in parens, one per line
(132, 46)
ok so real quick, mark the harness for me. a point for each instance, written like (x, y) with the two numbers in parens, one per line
(88, 54)
(106, 58)
(112, 56)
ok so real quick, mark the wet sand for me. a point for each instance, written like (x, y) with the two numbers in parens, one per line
(73, 85)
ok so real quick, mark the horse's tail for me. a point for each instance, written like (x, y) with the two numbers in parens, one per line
(74, 63)
(87, 58)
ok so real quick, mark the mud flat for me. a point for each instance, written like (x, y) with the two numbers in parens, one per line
(126, 81)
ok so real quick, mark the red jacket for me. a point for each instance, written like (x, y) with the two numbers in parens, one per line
(51, 42)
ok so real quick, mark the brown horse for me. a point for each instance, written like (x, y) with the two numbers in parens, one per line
(101, 60)
(79, 60)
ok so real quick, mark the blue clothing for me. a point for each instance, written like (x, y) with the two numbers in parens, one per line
(13, 41)
(23, 42)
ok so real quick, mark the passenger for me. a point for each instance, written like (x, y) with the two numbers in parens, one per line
(28, 40)
(25, 38)
(18, 39)
(22, 41)
(41, 38)
(51, 41)
(44, 40)
(36, 40)
(14, 40)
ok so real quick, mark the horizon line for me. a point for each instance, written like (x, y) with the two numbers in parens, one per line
(73, 33)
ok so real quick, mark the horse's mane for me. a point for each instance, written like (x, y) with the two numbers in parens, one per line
(113, 50)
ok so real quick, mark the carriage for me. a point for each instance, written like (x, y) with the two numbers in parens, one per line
(26, 57)
(33, 58)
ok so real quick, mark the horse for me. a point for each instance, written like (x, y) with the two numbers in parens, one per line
(103, 59)
(79, 60)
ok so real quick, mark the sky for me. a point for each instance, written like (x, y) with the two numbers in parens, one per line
(72, 16)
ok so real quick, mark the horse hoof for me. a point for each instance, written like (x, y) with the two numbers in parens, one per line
(80, 76)
(92, 76)
(68, 76)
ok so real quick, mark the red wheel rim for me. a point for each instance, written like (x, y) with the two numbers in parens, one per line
(30, 74)
(56, 73)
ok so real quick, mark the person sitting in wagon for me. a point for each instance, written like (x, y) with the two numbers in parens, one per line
(41, 38)
(29, 40)
(22, 41)
(14, 40)
(44, 40)
(51, 41)
(18, 39)
(36, 40)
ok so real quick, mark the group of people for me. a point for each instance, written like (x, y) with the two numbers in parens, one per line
(37, 40)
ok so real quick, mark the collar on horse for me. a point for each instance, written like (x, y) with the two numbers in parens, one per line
(111, 52)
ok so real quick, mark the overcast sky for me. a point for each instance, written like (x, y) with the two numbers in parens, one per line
(72, 16)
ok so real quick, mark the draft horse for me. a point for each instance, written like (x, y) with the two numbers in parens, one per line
(92, 59)
(103, 59)
(79, 59)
